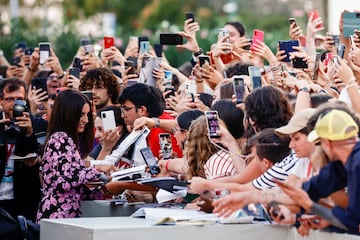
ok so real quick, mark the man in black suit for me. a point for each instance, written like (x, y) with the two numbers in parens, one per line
(19, 177)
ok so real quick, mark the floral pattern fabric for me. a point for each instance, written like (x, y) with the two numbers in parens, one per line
(64, 176)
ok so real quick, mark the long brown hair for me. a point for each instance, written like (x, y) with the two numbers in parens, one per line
(198, 148)
(65, 117)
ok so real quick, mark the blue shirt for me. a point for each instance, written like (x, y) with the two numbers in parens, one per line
(336, 176)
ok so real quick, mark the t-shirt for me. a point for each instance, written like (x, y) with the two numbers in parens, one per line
(219, 165)
(280, 171)
(7, 182)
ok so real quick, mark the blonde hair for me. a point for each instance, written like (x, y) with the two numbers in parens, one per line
(198, 148)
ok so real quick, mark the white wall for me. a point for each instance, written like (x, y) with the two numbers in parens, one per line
(335, 7)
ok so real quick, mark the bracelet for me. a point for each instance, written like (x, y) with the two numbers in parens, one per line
(31, 70)
(157, 122)
(198, 53)
(167, 165)
(62, 76)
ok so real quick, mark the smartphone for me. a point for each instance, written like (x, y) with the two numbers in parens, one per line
(258, 35)
(287, 46)
(170, 39)
(299, 63)
(44, 51)
(317, 64)
(167, 81)
(190, 88)
(108, 42)
(247, 47)
(212, 120)
(88, 94)
(336, 39)
(144, 47)
(203, 59)
(74, 71)
(29, 51)
(158, 49)
(131, 82)
(292, 20)
(39, 83)
(190, 15)
(341, 50)
(77, 63)
(108, 120)
(165, 145)
(130, 64)
(351, 22)
(171, 93)
(255, 75)
(142, 39)
(222, 32)
(150, 160)
(239, 88)
(316, 15)
(15, 61)
(86, 43)
(22, 45)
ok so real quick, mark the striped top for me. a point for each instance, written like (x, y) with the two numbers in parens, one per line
(219, 165)
(279, 171)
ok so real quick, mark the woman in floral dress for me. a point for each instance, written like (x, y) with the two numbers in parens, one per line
(64, 174)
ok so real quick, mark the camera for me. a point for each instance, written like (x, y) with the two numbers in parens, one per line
(13, 131)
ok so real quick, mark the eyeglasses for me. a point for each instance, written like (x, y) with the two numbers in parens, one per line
(12, 99)
(175, 129)
(53, 77)
(126, 109)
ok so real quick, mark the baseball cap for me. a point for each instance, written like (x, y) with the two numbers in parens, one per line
(297, 122)
(335, 125)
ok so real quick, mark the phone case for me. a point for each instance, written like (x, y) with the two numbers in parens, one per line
(165, 145)
(239, 89)
(190, 15)
(351, 21)
(108, 119)
(316, 15)
(299, 63)
(74, 72)
(190, 88)
(287, 46)
(203, 60)
(258, 36)
(108, 42)
(150, 160)
(144, 47)
(212, 120)
(39, 83)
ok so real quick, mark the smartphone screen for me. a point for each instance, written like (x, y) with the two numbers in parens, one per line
(108, 42)
(150, 160)
(255, 74)
(108, 119)
(44, 51)
(317, 64)
(165, 145)
(239, 89)
(212, 119)
(170, 39)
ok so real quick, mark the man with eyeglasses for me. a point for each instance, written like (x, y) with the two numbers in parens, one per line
(20, 183)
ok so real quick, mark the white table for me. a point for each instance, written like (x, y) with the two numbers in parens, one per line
(139, 229)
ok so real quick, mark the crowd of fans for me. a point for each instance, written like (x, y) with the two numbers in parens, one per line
(287, 135)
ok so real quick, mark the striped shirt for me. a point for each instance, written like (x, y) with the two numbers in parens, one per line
(219, 165)
(279, 171)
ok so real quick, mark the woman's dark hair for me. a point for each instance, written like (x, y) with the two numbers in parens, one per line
(206, 98)
(65, 117)
(319, 98)
(239, 68)
(184, 119)
(238, 26)
(143, 95)
(268, 107)
(270, 145)
(231, 115)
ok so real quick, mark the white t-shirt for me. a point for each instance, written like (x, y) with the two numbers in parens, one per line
(7, 182)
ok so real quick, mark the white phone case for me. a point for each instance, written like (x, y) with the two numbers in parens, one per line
(108, 119)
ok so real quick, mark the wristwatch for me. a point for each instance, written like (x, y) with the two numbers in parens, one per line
(198, 53)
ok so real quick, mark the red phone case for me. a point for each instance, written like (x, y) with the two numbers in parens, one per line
(108, 42)
(316, 15)
(258, 35)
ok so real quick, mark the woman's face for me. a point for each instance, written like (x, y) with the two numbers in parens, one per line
(98, 129)
(300, 144)
(180, 136)
(84, 118)
(234, 34)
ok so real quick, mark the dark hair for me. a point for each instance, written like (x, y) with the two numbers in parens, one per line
(206, 98)
(143, 95)
(318, 99)
(226, 90)
(65, 117)
(239, 27)
(117, 113)
(101, 78)
(184, 119)
(268, 107)
(271, 146)
(231, 115)
(10, 85)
